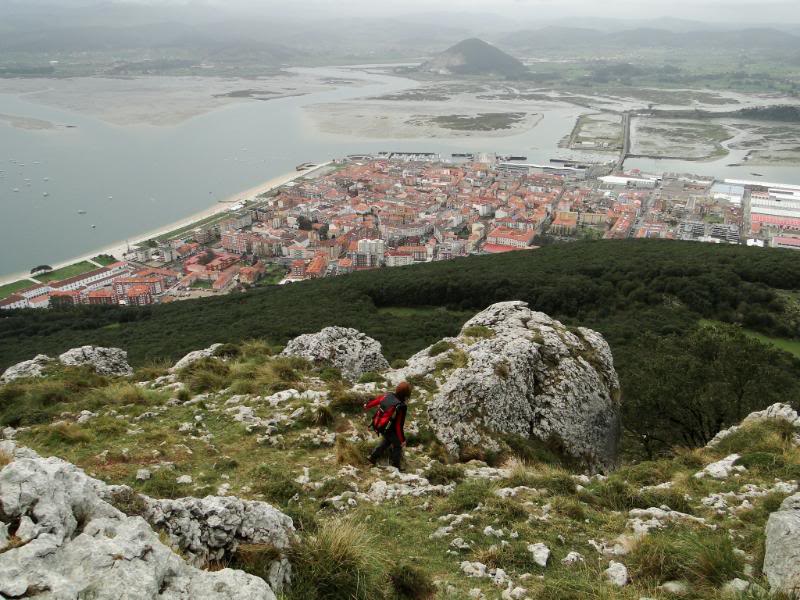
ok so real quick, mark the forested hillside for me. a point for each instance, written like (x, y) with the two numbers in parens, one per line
(662, 305)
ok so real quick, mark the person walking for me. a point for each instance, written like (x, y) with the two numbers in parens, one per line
(389, 422)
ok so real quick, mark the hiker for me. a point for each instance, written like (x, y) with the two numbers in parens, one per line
(388, 422)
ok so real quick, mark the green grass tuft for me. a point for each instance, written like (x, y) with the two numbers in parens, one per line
(342, 560)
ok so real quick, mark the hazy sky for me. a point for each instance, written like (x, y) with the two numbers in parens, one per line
(775, 11)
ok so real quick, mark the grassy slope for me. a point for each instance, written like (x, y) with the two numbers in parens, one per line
(217, 450)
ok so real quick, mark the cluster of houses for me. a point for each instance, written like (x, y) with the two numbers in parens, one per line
(373, 212)
(117, 283)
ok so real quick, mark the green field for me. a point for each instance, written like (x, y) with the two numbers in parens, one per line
(11, 288)
(786, 344)
(66, 272)
(790, 346)
(201, 284)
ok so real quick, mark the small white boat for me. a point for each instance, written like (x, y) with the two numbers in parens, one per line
(16, 189)
(81, 212)
(94, 226)
(45, 194)
(111, 197)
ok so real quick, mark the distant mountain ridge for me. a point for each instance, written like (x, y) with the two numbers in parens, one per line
(559, 37)
(475, 57)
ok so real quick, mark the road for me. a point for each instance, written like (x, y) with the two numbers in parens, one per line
(626, 140)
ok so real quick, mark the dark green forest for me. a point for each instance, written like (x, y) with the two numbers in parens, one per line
(647, 297)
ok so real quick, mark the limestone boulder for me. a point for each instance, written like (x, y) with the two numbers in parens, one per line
(105, 361)
(210, 528)
(195, 356)
(69, 542)
(27, 369)
(782, 553)
(516, 371)
(348, 350)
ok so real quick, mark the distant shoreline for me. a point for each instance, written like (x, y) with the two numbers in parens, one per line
(117, 249)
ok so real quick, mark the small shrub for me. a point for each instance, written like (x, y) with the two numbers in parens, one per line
(706, 558)
(614, 494)
(332, 487)
(118, 394)
(153, 369)
(468, 495)
(502, 369)
(129, 502)
(532, 451)
(65, 433)
(554, 480)
(255, 349)
(399, 363)
(423, 437)
(323, 417)
(346, 401)
(505, 511)
(348, 453)
(256, 559)
(5, 458)
(569, 507)
(440, 347)
(478, 332)
(372, 377)
(206, 375)
(410, 582)
(441, 474)
(183, 395)
(771, 436)
(276, 484)
(329, 374)
(303, 516)
(649, 472)
(161, 485)
(227, 351)
(423, 382)
(457, 359)
(341, 560)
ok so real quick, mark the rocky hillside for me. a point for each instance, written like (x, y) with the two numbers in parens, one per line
(475, 57)
(241, 472)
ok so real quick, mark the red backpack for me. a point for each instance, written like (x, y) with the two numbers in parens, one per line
(383, 417)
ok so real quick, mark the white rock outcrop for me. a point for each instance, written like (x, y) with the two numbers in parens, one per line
(776, 412)
(72, 543)
(194, 356)
(348, 350)
(27, 368)
(782, 554)
(721, 469)
(105, 361)
(528, 375)
(208, 529)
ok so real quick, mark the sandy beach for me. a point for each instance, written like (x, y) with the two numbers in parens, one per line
(117, 249)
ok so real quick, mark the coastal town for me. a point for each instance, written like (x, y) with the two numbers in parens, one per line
(398, 209)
